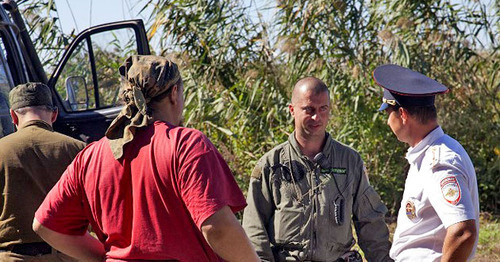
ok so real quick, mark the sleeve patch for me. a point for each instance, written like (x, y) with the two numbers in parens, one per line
(451, 190)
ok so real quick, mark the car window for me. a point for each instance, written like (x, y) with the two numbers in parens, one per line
(78, 88)
(75, 85)
(6, 83)
(111, 48)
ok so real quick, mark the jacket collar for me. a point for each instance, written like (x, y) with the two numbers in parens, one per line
(327, 147)
(37, 123)
(415, 152)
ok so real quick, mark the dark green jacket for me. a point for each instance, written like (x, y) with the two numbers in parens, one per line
(300, 210)
(31, 162)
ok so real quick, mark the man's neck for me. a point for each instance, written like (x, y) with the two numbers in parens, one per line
(28, 119)
(163, 112)
(420, 132)
(310, 146)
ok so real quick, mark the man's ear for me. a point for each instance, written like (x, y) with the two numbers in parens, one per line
(290, 107)
(403, 113)
(14, 117)
(54, 115)
(174, 94)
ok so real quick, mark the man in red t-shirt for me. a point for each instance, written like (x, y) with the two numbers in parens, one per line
(150, 189)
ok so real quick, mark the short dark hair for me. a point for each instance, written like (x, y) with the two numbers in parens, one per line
(311, 83)
(423, 114)
(24, 110)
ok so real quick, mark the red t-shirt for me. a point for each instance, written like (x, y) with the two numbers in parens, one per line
(150, 204)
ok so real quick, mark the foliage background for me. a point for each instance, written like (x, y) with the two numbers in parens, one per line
(239, 69)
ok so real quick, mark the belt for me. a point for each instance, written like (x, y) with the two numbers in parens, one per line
(30, 249)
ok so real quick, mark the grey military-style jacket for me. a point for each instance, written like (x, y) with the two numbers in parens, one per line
(301, 210)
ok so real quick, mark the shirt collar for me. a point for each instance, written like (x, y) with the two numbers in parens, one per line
(327, 147)
(37, 123)
(414, 152)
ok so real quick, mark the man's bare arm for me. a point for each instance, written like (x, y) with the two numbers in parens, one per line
(84, 248)
(225, 235)
(459, 241)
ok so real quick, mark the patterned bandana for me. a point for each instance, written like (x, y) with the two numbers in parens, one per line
(144, 77)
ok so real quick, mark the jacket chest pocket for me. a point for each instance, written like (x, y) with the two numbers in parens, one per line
(336, 192)
(290, 194)
(288, 226)
(338, 183)
(290, 187)
(336, 231)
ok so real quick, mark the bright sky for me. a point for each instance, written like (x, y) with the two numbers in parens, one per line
(82, 14)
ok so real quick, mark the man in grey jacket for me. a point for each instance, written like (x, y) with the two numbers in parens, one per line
(305, 192)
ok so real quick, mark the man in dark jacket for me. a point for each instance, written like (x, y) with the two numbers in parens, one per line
(31, 162)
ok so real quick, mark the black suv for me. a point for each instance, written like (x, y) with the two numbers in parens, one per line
(85, 83)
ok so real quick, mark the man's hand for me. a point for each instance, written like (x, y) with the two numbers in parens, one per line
(225, 235)
(459, 241)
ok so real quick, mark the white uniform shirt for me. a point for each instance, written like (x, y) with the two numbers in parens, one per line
(440, 190)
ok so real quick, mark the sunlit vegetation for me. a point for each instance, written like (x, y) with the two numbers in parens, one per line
(239, 72)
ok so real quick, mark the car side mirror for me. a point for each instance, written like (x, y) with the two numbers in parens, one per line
(77, 94)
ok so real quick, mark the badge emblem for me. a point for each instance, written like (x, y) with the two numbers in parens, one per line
(451, 190)
(335, 170)
(410, 210)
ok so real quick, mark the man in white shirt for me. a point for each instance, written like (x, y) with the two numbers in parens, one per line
(439, 215)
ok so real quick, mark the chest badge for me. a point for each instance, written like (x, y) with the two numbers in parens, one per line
(335, 170)
(451, 190)
(410, 210)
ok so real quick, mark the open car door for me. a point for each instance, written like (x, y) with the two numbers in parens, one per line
(86, 80)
